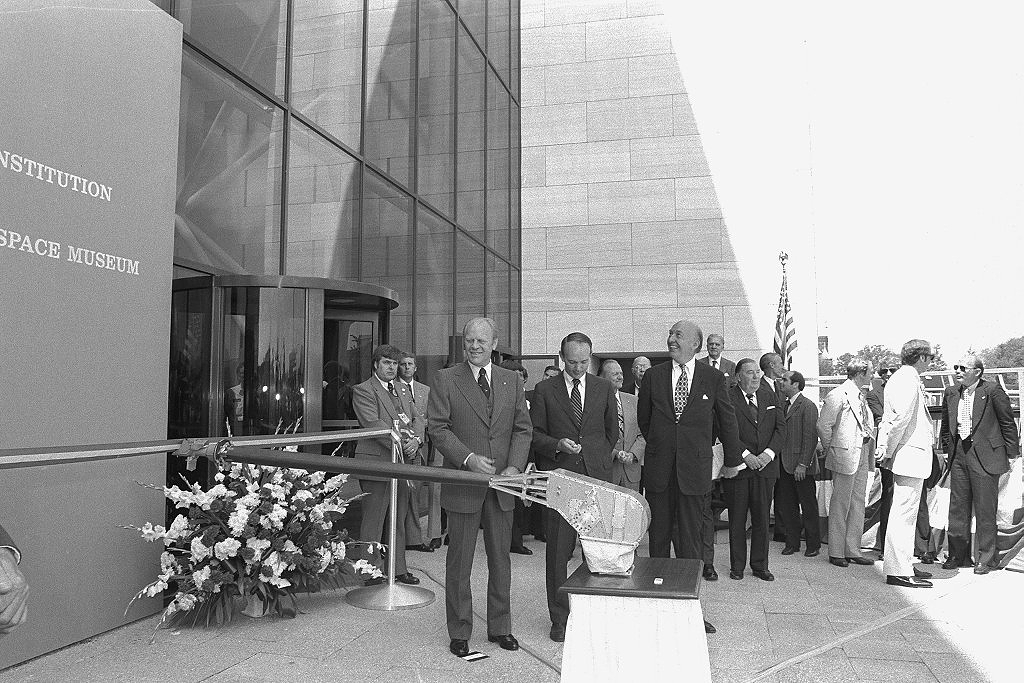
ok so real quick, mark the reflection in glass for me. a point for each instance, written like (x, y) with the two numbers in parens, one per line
(348, 353)
(390, 78)
(436, 141)
(323, 206)
(246, 35)
(469, 281)
(514, 33)
(497, 36)
(516, 212)
(387, 249)
(497, 166)
(470, 136)
(435, 282)
(473, 12)
(516, 312)
(229, 166)
(327, 61)
(497, 295)
(188, 393)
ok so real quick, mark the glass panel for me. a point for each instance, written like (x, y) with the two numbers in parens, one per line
(497, 36)
(327, 65)
(497, 166)
(387, 250)
(348, 353)
(323, 206)
(264, 359)
(229, 174)
(497, 296)
(470, 137)
(516, 313)
(246, 35)
(515, 232)
(436, 142)
(469, 281)
(389, 89)
(473, 13)
(514, 76)
(188, 395)
(435, 284)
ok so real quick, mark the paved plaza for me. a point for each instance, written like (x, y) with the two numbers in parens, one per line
(814, 623)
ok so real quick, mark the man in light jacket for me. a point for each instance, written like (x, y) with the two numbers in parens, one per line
(847, 433)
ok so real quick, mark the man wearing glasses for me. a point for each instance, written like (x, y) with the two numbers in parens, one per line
(905, 448)
(980, 436)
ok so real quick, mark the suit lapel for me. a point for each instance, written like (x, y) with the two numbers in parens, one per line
(696, 386)
(500, 393)
(562, 395)
(466, 383)
(954, 412)
(980, 399)
(744, 407)
(384, 398)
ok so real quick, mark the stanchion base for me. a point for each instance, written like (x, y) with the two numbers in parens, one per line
(390, 597)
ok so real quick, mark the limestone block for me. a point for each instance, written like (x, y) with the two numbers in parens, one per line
(589, 245)
(534, 249)
(710, 284)
(696, 199)
(632, 37)
(610, 330)
(643, 8)
(555, 205)
(605, 79)
(625, 287)
(531, 13)
(651, 325)
(739, 330)
(534, 161)
(557, 124)
(532, 86)
(580, 11)
(686, 241)
(555, 290)
(535, 332)
(588, 162)
(655, 75)
(632, 201)
(640, 117)
(553, 45)
(677, 156)
(683, 120)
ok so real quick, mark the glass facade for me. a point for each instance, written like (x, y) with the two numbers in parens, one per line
(356, 140)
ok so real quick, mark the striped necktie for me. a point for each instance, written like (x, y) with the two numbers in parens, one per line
(577, 404)
(622, 424)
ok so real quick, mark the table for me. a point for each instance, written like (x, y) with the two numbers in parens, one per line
(623, 627)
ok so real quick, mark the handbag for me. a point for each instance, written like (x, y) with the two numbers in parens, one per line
(938, 503)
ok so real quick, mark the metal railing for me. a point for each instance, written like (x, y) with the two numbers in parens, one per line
(936, 382)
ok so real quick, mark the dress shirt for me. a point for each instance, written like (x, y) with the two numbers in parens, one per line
(769, 452)
(966, 409)
(408, 385)
(583, 387)
(715, 362)
(476, 376)
(677, 369)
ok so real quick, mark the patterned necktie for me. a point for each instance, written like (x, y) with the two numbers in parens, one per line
(577, 404)
(964, 415)
(394, 396)
(714, 364)
(482, 381)
(753, 406)
(681, 393)
(622, 424)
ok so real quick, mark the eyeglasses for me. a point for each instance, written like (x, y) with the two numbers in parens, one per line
(884, 371)
(963, 368)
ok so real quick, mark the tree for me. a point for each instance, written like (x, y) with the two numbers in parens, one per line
(937, 362)
(879, 356)
(824, 366)
(1009, 354)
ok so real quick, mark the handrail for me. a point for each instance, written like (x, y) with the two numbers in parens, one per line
(12, 458)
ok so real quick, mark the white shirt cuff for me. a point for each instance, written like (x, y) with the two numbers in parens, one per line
(770, 453)
(14, 551)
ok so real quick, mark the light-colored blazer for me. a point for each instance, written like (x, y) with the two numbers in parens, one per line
(375, 409)
(632, 441)
(420, 396)
(905, 432)
(842, 429)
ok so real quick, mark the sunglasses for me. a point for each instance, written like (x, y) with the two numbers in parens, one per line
(963, 368)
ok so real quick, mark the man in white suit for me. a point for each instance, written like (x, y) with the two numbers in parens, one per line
(905, 448)
(847, 433)
(630, 448)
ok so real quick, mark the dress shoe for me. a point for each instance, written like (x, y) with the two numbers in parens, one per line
(811, 553)
(709, 573)
(507, 641)
(907, 582)
(540, 537)
(420, 548)
(982, 569)
(434, 544)
(375, 581)
(860, 560)
(764, 574)
(520, 550)
(733, 574)
(407, 578)
(708, 628)
(922, 574)
(557, 633)
(447, 540)
(779, 538)
(951, 563)
(459, 648)
(789, 551)
(928, 558)
(838, 561)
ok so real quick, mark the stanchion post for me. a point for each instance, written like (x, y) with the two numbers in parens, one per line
(396, 454)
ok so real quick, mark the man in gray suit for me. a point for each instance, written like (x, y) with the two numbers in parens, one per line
(13, 587)
(378, 403)
(796, 485)
(629, 449)
(477, 419)
(418, 393)
(716, 344)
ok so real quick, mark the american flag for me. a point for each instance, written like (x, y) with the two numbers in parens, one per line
(785, 330)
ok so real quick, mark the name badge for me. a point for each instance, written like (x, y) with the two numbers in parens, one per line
(404, 418)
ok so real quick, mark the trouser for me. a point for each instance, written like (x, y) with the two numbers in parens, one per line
(375, 514)
(921, 539)
(748, 495)
(899, 540)
(800, 502)
(520, 521)
(413, 533)
(676, 519)
(463, 529)
(972, 489)
(846, 510)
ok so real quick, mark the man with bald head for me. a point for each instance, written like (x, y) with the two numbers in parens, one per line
(682, 406)
(641, 364)
(629, 449)
(716, 344)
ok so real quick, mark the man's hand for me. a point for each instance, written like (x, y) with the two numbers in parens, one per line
(729, 472)
(800, 472)
(13, 593)
(410, 446)
(568, 446)
(752, 461)
(510, 470)
(480, 464)
(764, 459)
(625, 457)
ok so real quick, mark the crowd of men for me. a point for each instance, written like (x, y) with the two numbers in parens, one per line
(696, 431)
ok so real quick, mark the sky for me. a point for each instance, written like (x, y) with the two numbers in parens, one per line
(881, 145)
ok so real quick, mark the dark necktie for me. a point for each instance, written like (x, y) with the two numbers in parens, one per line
(577, 404)
(714, 364)
(482, 381)
(394, 396)
(753, 406)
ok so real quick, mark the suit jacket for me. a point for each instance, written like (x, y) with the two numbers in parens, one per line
(725, 366)
(420, 396)
(994, 437)
(551, 412)
(769, 431)
(686, 444)
(904, 440)
(458, 424)
(769, 385)
(842, 429)
(876, 402)
(375, 409)
(632, 441)
(6, 540)
(801, 443)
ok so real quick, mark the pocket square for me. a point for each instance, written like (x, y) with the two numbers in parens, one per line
(705, 397)
(770, 408)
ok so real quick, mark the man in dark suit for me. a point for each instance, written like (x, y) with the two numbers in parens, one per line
(799, 466)
(749, 485)
(13, 586)
(978, 428)
(716, 344)
(378, 403)
(575, 427)
(477, 419)
(772, 368)
(682, 406)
